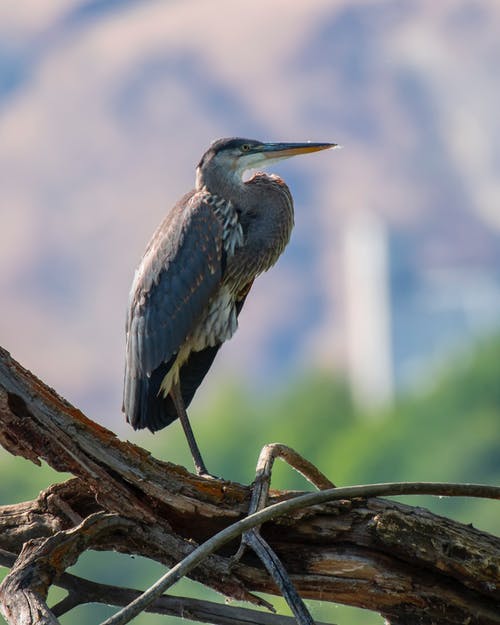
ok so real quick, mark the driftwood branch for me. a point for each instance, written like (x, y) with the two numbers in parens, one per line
(407, 564)
(82, 590)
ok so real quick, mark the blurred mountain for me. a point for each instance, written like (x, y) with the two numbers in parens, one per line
(107, 106)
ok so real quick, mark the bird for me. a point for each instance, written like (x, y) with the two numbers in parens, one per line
(196, 274)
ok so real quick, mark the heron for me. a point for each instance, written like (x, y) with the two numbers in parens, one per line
(196, 274)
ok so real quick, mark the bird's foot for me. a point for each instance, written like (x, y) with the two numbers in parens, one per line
(209, 476)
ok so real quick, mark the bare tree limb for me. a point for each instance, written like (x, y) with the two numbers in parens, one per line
(405, 563)
(253, 539)
(279, 575)
(82, 591)
(43, 560)
(277, 510)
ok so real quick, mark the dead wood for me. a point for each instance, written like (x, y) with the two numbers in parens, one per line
(405, 563)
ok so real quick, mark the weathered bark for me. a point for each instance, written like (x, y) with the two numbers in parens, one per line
(405, 563)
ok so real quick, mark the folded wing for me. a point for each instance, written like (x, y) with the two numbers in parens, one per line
(181, 270)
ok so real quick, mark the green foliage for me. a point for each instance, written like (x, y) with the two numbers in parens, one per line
(22, 480)
(447, 432)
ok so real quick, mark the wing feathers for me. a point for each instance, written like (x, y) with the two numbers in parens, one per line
(181, 270)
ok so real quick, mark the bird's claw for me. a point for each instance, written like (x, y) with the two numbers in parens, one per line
(210, 476)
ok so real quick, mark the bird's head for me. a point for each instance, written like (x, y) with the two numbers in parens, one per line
(226, 160)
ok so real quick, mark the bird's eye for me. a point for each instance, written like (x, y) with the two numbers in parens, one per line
(245, 147)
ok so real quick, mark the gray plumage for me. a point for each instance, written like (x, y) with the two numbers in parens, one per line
(196, 273)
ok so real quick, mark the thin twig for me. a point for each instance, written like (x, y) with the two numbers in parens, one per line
(310, 499)
(269, 453)
(85, 591)
(259, 500)
(280, 576)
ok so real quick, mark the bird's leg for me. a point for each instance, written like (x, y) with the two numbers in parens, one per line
(253, 539)
(175, 393)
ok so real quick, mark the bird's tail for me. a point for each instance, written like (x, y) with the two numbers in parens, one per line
(145, 405)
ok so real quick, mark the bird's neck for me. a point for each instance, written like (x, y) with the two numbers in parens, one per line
(227, 185)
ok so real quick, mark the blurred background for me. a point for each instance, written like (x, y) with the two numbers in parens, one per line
(372, 347)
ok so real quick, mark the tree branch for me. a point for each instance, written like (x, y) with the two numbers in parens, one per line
(82, 591)
(405, 563)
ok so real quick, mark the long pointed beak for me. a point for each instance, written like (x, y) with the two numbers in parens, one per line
(285, 150)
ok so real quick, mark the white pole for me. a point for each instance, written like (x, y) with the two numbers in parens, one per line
(367, 301)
